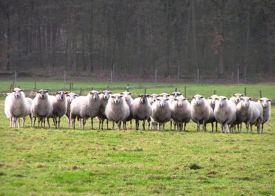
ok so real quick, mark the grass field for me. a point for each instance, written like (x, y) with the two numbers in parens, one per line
(49, 161)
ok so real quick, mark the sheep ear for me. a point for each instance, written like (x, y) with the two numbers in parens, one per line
(110, 92)
(269, 100)
(249, 98)
(66, 92)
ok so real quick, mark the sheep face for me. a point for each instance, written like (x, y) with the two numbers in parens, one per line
(180, 101)
(237, 97)
(162, 102)
(42, 94)
(143, 99)
(116, 98)
(71, 96)
(222, 101)
(245, 101)
(176, 94)
(213, 99)
(18, 93)
(265, 102)
(198, 100)
(93, 95)
(164, 95)
(61, 95)
(106, 94)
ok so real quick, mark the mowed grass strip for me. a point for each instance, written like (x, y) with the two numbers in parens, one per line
(66, 161)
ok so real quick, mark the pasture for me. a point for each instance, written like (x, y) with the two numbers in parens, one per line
(66, 161)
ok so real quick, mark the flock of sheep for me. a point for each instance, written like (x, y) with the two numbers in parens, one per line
(156, 109)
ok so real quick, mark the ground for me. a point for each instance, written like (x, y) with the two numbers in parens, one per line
(65, 161)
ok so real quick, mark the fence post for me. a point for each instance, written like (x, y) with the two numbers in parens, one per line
(111, 76)
(198, 75)
(238, 75)
(185, 91)
(260, 92)
(156, 75)
(245, 91)
(15, 79)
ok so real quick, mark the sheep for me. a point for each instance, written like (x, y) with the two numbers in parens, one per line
(200, 111)
(117, 110)
(250, 113)
(141, 109)
(70, 97)
(104, 96)
(212, 102)
(16, 106)
(236, 98)
(225, 113)
(171, 99)
(128, 98)
(180, 112)
(41, 107)
(161, 112)
(59, 105)
(266, 104)
(152, 98)
(84, 107)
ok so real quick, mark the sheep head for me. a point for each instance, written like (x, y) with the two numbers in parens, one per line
(265, 102)
(42, 94)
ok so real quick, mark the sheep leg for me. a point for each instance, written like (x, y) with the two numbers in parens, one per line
(124, 124)
(198, 126)
(143, 125)
(262, 127)
(107, 121)
(113, 125)
(30, 119)
(73, 123)
(92, 122)
(137, 124)
(184, 126)
(34, 121)
(48, 121)
(131, 126)
(19, 121)
(119, 125)
(13, 122)
(212, 125)
(204, 126)
(83, 123)
(23, 122)
(216, 126)
(247, 127)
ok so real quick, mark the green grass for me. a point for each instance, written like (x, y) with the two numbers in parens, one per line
(64, 161)
(268, 89)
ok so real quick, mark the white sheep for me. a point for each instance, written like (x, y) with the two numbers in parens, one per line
(59, 105)
(41, 107)
(200, 111)
(84, 107)
(117, 110)
(104, 97)
(16, 106)
(180, 112)
(129, 99)
(225, 113)
(141, 109)
(236, 98)
(161, 112)
(266, 104)
(152, 98)
(250, 113)
(212, 102)
(70, 97)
